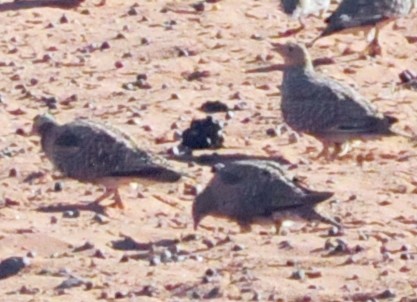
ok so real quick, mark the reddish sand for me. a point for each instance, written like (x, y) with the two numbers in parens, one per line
(374, 184)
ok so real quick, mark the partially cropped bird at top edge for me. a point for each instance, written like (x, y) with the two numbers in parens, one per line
(356, 15)
(258, 192)
(97, 153)
(299, 9)
(333, 113)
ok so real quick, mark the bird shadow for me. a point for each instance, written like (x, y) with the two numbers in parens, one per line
(28, 4)
(80, 207)
(281, 67)
(215, 158)
(129, 244)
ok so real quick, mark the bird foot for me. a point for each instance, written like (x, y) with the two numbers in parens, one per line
(244, 229)
(100, 3)
(164, 200)
(372, 50)
(293, 137)
(117, 205)
(290, 32)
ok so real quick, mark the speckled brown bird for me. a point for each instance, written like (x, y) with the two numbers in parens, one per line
(258, 191)
(355, 15)
(96, 153)
(333, 113)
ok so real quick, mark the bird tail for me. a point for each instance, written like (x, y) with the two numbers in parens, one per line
(385, 128)
(314, 215)
(317, 197)
(156, 173)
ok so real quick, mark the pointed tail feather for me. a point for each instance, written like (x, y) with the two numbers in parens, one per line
(156, 173)
(317, 197)
(328, 220)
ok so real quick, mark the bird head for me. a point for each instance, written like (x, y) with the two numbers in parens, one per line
(42, 122)
(294, 55)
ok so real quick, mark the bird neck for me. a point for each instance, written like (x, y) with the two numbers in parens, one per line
(299, 71)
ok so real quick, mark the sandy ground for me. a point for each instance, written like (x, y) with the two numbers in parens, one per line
(44, 55)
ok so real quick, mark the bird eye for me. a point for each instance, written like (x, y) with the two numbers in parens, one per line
(266, 174)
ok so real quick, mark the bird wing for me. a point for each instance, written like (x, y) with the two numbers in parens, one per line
(87, 150)
(282, 194)
(318, 104)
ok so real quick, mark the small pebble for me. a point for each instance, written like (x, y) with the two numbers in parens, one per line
(155, 260)
(199, 6)
(144, 41)
(31, 254)
(214, 106)
(132, 12)
(120, 295)
(334, 231)
(229, 115)
(63, 19)
(272, 132)
(101, 219)
(12, 172)
(406, 256)
(58, 186)
(237, 248)
(190, 237)
(118, 64)
(105, 45)
(99, 254)
(71, 214)
(70, 283)
(298, 274)
(213, 293)
(86, 246)
(166, 256)
(12, 266)
(210, 272)
(387, 294)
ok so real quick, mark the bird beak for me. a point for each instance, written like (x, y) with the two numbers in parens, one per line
(278, 47)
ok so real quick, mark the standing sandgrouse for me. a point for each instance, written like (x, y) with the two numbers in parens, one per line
(257, 191)
(355, 15)
(94, 152)
(324, 108)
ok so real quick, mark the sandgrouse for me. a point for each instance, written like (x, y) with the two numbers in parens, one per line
(97, 153)
(257, 191)
(333, 113)
(355, 15)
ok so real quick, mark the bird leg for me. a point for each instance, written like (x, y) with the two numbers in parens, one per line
(245, 228)
(278, 224)
(108, 192)
(373, 49)
(340, 150)
(344, 149)
(118, 203)
(293, 31)
(324, 151)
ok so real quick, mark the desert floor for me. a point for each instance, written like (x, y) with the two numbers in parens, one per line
(59, 53)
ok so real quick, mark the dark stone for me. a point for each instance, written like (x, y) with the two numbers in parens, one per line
(214, 106)
(12, 266)
(203, 134)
